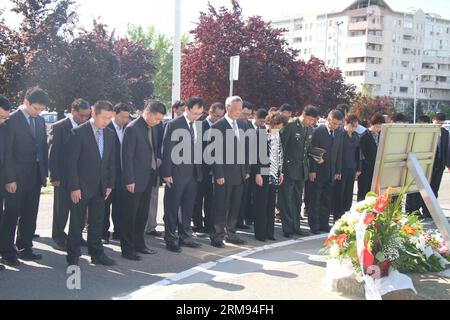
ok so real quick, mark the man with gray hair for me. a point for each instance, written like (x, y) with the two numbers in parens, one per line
(229, 175)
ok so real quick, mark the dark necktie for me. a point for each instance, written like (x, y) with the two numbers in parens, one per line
(33, 127)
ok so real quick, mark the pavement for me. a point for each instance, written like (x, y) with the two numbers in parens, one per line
(276, 270)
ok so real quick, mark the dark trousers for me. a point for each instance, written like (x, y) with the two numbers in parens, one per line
(61, 209)
(264, 213)
(365, 181)
(288, 202)
(320, 207)
(134, 220)
(114, 207)
(179, 202)
(343, 191)
(246, 211)
(96, 207)
(21, 210)
(414, 201)
(203, 204)
(227, 202)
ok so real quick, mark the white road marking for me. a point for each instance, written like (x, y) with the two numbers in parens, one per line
(146, 290)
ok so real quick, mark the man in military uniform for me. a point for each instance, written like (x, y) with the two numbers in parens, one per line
(296, 138)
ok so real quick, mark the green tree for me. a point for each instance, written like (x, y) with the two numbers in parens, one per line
(162, 47)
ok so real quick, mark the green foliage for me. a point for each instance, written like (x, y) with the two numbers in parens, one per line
(162, 47)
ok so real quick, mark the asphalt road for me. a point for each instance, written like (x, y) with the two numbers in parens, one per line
(262, 273)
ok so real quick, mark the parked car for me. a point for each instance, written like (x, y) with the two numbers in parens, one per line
(49, 117)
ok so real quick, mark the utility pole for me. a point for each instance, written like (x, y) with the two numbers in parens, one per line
(176, 82)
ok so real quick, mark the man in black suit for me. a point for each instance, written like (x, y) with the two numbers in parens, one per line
(203, 202)
(5, 107)
(139, 169)
(152, 221)
(296, 139)
(26, 170)
(181, 174)
(121, 117)
(91, 178)
(59, 136)
(323, 175)
(229, 173)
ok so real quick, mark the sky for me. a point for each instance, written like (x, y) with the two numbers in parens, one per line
(117, 14)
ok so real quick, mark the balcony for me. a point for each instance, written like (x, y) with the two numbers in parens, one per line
(355, 26)
(435, 85)
(375, 39)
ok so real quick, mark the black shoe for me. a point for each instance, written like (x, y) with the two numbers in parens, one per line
(259, 239)
(287, 235)
(84, 243)
(302, 233)
(146, 251)
(314, 231)
(71, 261)
(190, 244)
(132, 257)
(103, 260)
(325, 229)
(236, 241)
(2, 268)
(218, 244)
(173, 247)
(29, 255)
(105, 241)
(243, 227)
(271, 238)
(155, 233)
(198, 230)
(36, 236)
(10, 261)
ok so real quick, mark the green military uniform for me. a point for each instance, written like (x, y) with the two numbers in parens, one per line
(296, 141)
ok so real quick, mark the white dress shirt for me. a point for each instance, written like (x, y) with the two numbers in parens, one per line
(193, 125)
(119, 131)
(230, 121)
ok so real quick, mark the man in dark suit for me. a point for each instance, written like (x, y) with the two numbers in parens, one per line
(182, 175)
(26, 170)
(121, 117)
(323, 175)
(5, 107)
(91, 178)
(296, 139)
(139, 169)
(229, 173)
(152, 221)
(203, 202)
(59, 136)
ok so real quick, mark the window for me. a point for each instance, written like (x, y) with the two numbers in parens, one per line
(357, 33)
(356, 60)
(358, 73)
(298, 40)
(358, 19)
(373, 60)
(404, 89)
(375, 33)
(408, 37)
(405, 64)
(375, 47)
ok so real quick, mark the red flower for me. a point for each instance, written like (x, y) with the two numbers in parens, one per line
(368, 258)
(341, 239)
(330, 238)
(381, 204)
(369, 219)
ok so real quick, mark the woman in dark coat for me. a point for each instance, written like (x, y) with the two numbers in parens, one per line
(351, 166)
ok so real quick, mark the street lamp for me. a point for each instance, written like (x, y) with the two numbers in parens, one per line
(338, 24)
(415, 95)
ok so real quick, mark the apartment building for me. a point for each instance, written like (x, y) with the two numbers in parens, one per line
(381, 51)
